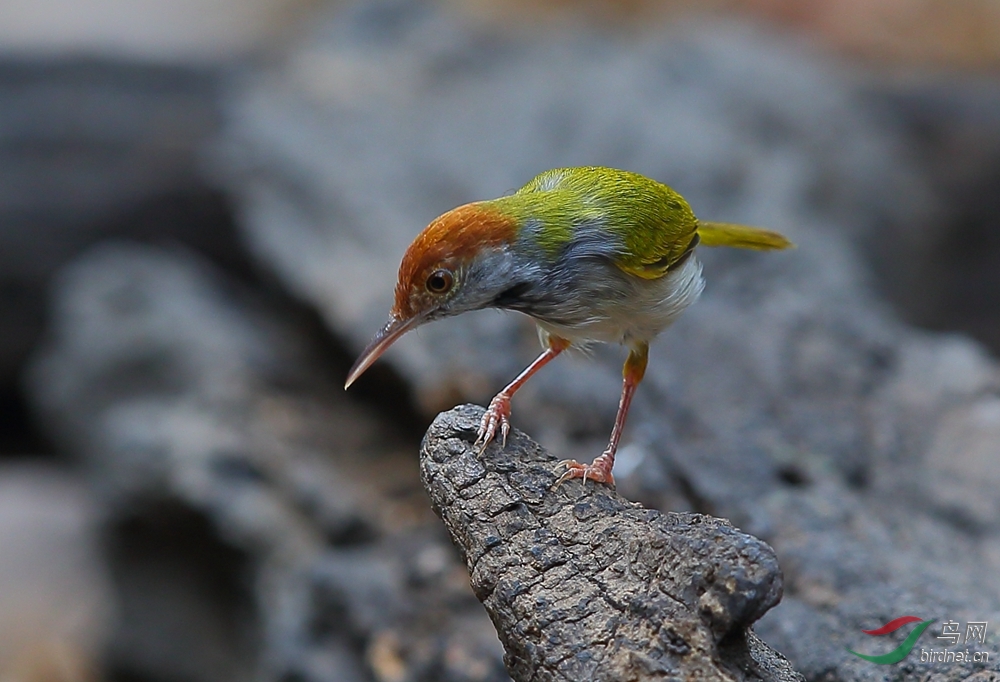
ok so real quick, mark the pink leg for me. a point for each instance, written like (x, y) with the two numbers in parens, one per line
(498, 413)
(600, 470)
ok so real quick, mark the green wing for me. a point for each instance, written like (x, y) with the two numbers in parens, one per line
(653, 224)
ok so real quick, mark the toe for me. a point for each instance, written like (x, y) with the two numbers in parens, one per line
(486, 429)
(496, 417)
(575, 469)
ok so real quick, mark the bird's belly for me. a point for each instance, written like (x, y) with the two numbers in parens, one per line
(638, 311)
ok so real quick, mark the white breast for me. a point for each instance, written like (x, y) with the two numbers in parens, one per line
(649, 308)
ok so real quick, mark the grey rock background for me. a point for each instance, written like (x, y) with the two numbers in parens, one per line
(432, 110)
(259, 522)
(220, 447)
(57, 621)
(790, 400)
(84, 147)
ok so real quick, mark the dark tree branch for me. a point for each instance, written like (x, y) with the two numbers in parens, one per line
(582, 584)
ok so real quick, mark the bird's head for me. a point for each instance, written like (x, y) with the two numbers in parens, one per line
(456, 264)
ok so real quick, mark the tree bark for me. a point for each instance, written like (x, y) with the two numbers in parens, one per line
(582, 584)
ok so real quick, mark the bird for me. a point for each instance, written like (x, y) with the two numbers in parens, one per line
(592, 254)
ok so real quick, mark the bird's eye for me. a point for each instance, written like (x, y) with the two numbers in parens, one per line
(440, 281)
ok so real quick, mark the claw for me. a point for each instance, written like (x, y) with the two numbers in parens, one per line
(497, 416)
(599, 471)
(498, 413)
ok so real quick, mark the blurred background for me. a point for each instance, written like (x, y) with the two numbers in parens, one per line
(202, 206)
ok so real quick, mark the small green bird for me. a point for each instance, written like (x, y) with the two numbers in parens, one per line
(592, 254)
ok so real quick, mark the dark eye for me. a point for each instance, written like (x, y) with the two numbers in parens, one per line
(440, 281)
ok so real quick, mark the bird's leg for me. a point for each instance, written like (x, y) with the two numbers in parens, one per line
(600, 469)
(498, 413)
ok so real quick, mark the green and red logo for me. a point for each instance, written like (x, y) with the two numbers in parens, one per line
(903, 650)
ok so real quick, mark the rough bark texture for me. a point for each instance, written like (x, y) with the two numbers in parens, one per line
(583, 584)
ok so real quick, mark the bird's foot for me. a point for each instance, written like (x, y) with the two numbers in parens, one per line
(599, 470)
(497, 417)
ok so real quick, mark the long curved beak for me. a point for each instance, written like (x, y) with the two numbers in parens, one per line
(385, 337)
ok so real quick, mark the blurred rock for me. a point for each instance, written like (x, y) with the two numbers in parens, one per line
(788, 400)
(949, 33)
(261, 525)
(91, 149)
(153, 30)
(943, 275)
(433, 111)
(56, 607)
(936, 34)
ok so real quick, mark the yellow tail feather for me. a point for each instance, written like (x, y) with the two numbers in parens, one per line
(740, 237)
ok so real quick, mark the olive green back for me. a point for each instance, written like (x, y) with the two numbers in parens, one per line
(652, 224)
